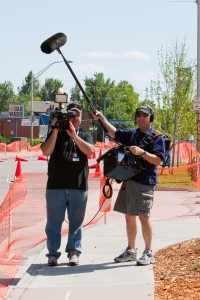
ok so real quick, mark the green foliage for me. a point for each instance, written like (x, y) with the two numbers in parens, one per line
(4, 139)
(50, 88)
(174, 94)
(75, 94)
(116, 101)
(36, 141)
(25, 89)
(24, 99)
(7, 95)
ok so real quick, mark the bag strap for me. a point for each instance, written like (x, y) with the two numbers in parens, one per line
(149, 138)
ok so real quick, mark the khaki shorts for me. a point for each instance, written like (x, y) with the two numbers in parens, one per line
(134, 199)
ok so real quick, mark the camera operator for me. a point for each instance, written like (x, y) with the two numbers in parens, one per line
(67, 184)
(135, 197)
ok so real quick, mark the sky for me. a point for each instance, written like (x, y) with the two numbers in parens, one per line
(118, 38)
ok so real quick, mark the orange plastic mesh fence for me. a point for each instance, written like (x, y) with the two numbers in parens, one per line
(23, 218)
(23, 211)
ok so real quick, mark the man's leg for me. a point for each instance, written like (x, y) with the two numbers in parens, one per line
(131, 229)
(147, 256)
(56, 207)
(146, 230)
(77, 200)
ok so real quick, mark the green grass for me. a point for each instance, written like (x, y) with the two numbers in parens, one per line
(180, 179)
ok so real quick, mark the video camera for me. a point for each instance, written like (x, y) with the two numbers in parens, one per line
(62, 122)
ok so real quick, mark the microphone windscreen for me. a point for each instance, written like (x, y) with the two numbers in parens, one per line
(54, 42)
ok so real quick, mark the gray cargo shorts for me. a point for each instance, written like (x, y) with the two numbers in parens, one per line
(134, 199)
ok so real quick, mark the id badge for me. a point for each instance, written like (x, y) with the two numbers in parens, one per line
(75, 157)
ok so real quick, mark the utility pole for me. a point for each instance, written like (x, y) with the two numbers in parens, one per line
(197, 98)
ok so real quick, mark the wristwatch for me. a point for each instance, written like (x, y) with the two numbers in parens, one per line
(143, 154)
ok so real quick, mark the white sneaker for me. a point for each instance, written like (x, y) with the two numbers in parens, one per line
(73, 258)
(147, 258)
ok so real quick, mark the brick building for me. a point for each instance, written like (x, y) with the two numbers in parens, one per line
(21, 127)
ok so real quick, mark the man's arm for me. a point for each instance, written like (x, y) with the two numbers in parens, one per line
(150, 157)
(86, 148)
(48, 146)
(111, 129)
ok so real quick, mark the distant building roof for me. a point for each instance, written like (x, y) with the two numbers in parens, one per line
(43, 107)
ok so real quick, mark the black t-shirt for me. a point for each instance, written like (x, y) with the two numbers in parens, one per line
(68, 165)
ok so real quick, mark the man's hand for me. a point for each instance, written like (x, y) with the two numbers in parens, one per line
(71, 131)
(97, 115)
(53, 122)
(136, 150)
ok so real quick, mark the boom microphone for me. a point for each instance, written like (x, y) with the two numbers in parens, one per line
(53, 43)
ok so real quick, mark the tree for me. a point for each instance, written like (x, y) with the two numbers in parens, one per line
(117, 102)
(75, 94)
(25, 89)
(7, 95)
(174, 94)
(122, 103)
(50, 88)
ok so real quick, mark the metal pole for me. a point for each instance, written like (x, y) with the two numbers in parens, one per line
(31, 117)
(198, 49)
(104, 113)
(198, 86)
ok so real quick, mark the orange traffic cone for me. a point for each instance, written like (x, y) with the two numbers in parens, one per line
(94, 154)
(18, 171)
(42, 157)
(100, 152)
(98, 171)
(18, 158)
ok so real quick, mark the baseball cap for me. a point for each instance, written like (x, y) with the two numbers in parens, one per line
(145, 109)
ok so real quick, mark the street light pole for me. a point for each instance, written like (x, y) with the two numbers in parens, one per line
(35, 76)
(32, 115)
(198, 75)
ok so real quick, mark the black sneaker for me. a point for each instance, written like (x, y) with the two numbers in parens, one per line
(73, 258)
(52, 261)
(127, 255)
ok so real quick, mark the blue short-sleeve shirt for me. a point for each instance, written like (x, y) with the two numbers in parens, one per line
(133, 137)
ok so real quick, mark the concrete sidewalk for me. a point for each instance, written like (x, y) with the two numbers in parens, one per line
(98, 276)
